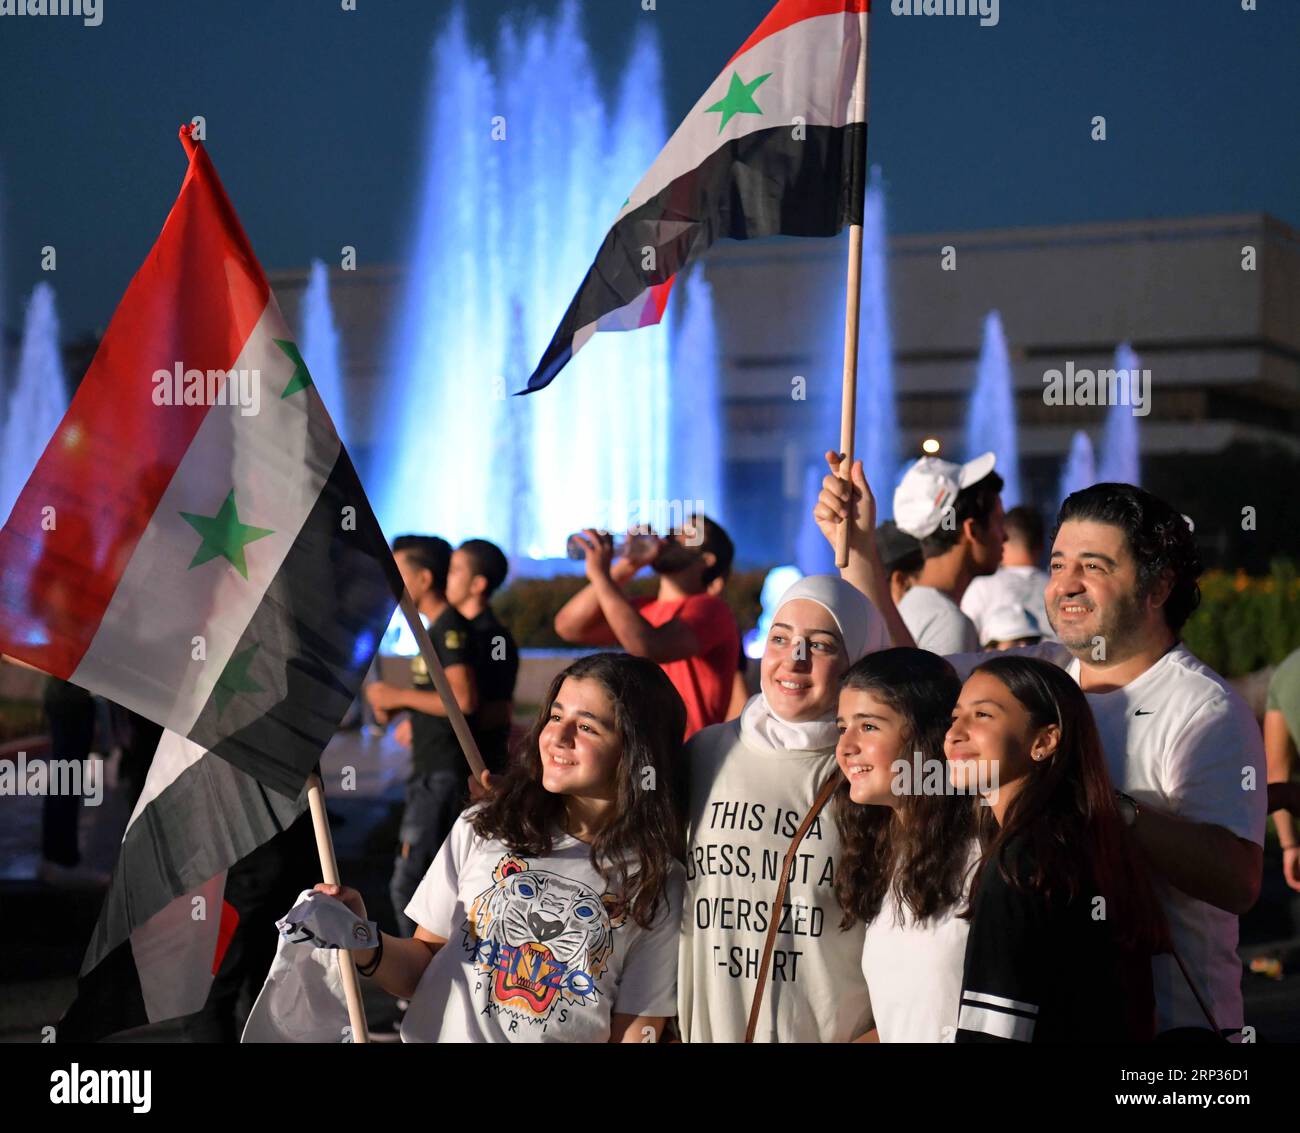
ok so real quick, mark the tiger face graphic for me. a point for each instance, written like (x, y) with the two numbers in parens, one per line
(540, 938)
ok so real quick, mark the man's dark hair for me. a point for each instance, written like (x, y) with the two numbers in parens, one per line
(488, 561)
(1158, 538)
(1025, 525)
(719, 543)
(428, 552)
(899, 550)
(978, 502)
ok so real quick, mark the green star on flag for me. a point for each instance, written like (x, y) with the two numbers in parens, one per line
(301, 378)
(224, 535)
(234, 679)
(739, 99)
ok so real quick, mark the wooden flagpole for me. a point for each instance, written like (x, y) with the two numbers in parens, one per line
(849, 397)
(443, 686)
(320, 823)
(329, 868)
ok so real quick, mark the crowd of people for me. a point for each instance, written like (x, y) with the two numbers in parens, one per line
(1045, 814)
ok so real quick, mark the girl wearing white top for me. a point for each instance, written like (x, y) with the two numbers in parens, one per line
(551, 912)
(908, 842)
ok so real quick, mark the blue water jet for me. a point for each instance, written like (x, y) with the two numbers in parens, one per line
(37, 400)
(1119, 442)
(991, 414)
(695, 432)
(1080, 469)
(319, 341)
(525, 172)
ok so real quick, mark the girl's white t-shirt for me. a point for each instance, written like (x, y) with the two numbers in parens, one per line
(745, 804)
(533, 953)
(914, 971)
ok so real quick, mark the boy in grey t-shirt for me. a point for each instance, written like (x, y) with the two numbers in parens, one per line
(955, 511)
(936, 622)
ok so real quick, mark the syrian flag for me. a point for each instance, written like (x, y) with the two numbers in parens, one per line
(165, 924)
(194, 542)
(777, 146)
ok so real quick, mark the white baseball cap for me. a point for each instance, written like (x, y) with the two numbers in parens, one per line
(930, 487)
(1009, 623)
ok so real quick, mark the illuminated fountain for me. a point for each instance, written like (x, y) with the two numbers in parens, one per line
(1080, 469)
(991, 415)
(38, 398)
(1119, 442)
(320, 347)
(525, 170)
(695, 428)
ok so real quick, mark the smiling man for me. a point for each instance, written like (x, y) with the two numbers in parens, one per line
(1180, 743)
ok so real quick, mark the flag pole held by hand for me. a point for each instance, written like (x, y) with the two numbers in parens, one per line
(329, 871)
(848, 404)
(443, 687)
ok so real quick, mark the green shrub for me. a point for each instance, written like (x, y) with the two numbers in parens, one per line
(1245, 624)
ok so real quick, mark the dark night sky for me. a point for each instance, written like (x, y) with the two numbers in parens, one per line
(315, 118)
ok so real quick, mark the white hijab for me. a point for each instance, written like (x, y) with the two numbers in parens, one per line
(862, 631)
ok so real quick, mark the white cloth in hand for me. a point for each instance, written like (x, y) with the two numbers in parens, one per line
(302, 1000)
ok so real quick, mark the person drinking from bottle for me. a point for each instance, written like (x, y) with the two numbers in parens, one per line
(690, 632)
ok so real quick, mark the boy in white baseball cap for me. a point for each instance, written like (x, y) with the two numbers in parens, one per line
(955, 510)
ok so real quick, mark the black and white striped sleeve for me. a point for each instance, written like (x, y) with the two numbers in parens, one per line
(1007, 953)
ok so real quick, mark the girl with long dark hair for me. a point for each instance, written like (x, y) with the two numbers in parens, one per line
(1063, 918)
(908, 841)
(552, 911)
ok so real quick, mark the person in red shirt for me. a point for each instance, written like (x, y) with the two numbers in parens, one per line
(690, 632)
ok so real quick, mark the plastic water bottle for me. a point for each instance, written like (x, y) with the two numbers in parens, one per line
(635, 545)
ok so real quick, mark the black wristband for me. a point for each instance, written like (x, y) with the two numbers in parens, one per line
(373, 966)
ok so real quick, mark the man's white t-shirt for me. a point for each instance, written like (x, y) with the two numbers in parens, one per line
(1020, 587)
(936, 622)
(914, 970)
(533, 952)
(1179, 738)
(745, 805)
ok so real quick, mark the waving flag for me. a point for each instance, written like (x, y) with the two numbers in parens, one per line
(165, 923)
(776, 146)
(194, 542)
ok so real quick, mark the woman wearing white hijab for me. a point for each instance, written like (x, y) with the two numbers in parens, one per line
(751, 781)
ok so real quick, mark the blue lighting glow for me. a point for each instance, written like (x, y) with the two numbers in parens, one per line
(991, 417)
(525, 169)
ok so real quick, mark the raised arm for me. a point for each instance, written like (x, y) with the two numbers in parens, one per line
(581, 620)
(865, 570)
(615, 612)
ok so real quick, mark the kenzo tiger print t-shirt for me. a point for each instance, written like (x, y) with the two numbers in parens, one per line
(534, 951)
